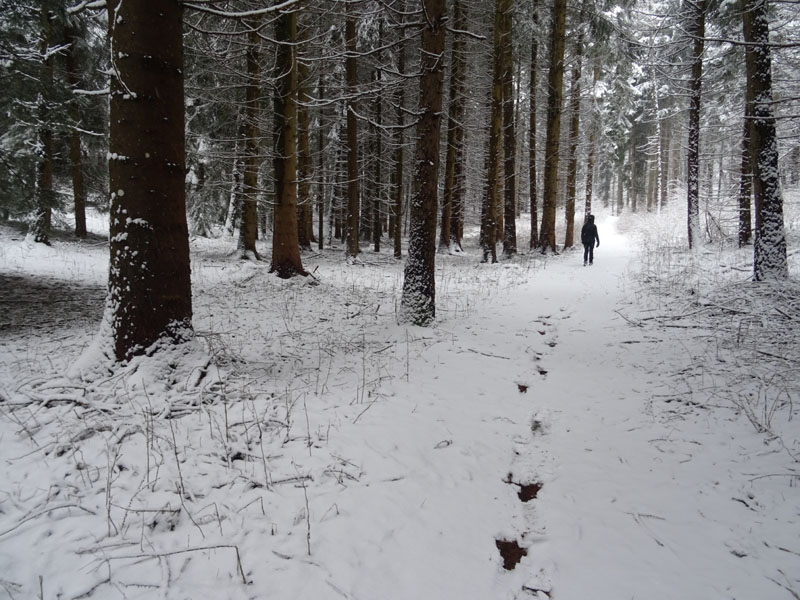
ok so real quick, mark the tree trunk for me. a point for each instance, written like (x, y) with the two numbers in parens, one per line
(698, 28)
(45, 192)
(305, 211)
(399, 153)
(248, 228)
(488, 235)
(286, 260)
(150, 294)
(448, 238)
(509, 136)
(534, 243)
(418, 301)
(555, 82)
(353, 191)
(75, 155)
(574, 129)
(663, 168)
(745, 230)
(769, 256)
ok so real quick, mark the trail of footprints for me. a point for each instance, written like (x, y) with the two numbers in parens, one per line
(512, 551)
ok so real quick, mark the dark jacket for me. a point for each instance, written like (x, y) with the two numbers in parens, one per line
(589, 233)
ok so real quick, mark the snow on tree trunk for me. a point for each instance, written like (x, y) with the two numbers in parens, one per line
(693, 146)
(769, 255)
(418, 301)
(149, 285)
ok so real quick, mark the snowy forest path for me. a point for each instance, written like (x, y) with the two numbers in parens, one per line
(645, 492)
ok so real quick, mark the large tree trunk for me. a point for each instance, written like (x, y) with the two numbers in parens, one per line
(769, 256)
(555, 82)
(353, 191)
(509, 137)
(149, 285)
(286, 260)
(399, 155)
(534, 243)
(248, 228)
(698, 28)
(489, 207)
(574, 125)
(418, 301)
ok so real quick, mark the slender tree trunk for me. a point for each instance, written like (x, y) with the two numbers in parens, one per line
(399, 152)
(488, 235)
(75, 154)
(509, 136)
(769, 256)
(353, 175)
(745, 188)
(693, 147)
(248, 228)
(534, 243)
(45, 192)
(448, 237)
(305, 210)
(574, 130)
(663, 168)
(555, 83)
(286, 260)
(149, 295)
(418, 301)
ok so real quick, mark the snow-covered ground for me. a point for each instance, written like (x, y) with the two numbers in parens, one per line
(631, 426)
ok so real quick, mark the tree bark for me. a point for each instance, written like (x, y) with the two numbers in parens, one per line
(698, 28)
(574, 129)
(418, 301)
(286, 260)
(248, 228)
(149, 284)
(769, 255)
(448, 238)
(305, 211)
(745, 230)
(509, 136)
(353, 176)
(534, 243)
(555, 82)
(488, 234)
(75, 154)
(45, 192)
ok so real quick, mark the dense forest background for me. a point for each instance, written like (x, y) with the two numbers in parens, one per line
(308, 122)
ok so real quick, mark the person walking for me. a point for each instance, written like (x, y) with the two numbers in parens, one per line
(589, 238)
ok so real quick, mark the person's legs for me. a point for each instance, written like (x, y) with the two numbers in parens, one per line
(590, 247)
(586, 248)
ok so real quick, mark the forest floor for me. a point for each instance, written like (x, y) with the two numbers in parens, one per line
(623, 430)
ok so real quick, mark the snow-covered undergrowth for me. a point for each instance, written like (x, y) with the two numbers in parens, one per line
(624, 430)
(202, 470)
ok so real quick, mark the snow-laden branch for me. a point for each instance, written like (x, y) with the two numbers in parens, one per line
(241, 14)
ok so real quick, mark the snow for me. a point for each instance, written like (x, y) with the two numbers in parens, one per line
(309, 444)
